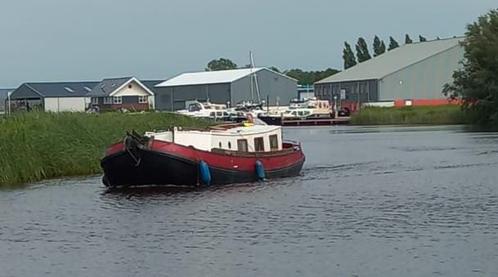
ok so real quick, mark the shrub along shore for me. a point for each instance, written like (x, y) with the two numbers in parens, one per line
(438, 115)
(36, 146)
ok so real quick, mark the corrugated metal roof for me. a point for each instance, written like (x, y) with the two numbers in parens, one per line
(62, 89)
(208, 77)
(392, 61)
(5, 91)
(108, 86)
(150, 84)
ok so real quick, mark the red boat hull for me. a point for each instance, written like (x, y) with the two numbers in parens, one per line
(165, 163)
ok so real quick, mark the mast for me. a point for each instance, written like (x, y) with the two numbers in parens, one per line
(252, 84)
(255, 78)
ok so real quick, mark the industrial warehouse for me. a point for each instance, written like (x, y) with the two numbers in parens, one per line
(413, 74)
(226, 86)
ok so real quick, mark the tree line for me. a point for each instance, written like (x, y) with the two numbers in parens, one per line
(303, 77)
(476, 83)
(363, 53)
(310, 77)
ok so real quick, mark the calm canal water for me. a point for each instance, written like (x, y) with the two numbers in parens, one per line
(376, 201)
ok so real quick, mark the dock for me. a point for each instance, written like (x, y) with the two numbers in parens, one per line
(316, 122)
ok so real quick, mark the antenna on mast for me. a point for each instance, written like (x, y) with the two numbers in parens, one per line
(255, 78)
(252, 84)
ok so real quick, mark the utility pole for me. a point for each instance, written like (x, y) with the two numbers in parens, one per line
(8, 101)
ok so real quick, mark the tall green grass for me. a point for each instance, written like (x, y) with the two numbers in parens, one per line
(435, 115)
(36, 146)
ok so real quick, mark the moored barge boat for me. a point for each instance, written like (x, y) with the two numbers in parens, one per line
(224, 154)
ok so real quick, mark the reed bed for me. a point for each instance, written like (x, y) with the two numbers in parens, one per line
(36, 146)
(438, 115)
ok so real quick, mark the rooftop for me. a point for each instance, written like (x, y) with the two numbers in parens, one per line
(209, 77)
(109, 85)
(394, 60)
(61, 89)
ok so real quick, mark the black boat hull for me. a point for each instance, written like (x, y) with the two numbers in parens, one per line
(158, 168)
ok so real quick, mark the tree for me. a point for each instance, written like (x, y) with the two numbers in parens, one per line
(348, 56)
(392, 44)
(408, 40)
(220, 64)
(421, 38)
(476, 83)
(274, 68)
(309, 77)
(362, 50)
(378, 46)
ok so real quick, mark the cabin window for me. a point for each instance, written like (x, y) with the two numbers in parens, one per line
(194, 107)
(107, 100)
(259, 144)
(219, 144)
(142, 99)
(273, 142)
(118, 100)
(229, 145)
(242, 145)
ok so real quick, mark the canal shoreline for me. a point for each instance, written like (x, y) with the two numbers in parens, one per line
(418, 115)
(40, 146)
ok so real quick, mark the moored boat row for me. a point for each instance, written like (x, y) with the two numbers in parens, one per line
(310, 111)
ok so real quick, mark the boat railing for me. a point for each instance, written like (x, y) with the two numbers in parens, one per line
(293, 142)
(285, 150)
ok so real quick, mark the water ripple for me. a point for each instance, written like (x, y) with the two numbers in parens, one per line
(411, 202)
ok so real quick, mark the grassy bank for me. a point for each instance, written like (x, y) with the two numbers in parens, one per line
(439, 115)
(36, 146)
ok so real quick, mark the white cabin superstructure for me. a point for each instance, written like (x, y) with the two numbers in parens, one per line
(204, 110)
(253, 138)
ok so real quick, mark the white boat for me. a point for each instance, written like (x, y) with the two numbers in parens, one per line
(205, 110)
(310, 108)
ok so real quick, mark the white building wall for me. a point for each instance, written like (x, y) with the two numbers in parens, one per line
(65, 104)
(132, 89)
(152, 103)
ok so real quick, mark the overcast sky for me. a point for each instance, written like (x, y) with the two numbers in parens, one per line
(58, 40)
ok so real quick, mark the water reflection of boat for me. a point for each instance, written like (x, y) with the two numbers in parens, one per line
(232, 153)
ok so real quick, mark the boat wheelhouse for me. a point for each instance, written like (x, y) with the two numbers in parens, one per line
(230, 137)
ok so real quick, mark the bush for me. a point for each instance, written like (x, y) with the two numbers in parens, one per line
(439, 115)
(37, 145)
